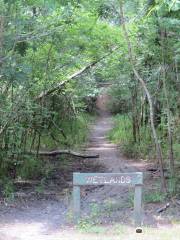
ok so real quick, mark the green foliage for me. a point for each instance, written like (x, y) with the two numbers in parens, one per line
(176, 147)
(75, 132)
(154, 197)
(86, 226)
(122, 135)
(120, 98)
(122, 129)
(29, 167)
(44, 42)
(8, 188)
(89, 223)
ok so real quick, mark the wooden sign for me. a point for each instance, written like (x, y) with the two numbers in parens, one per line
(107, 178)
(121, 179)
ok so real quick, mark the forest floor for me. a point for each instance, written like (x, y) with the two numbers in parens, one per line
(44, 211)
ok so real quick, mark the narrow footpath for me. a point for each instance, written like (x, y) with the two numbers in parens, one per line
(51, 219)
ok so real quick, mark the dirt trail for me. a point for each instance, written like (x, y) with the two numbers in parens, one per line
(116, 199)
(48, 218)
(110, 156)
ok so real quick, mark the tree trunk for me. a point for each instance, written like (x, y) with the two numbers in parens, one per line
(135, 120)
(168, 112)
(142, 82)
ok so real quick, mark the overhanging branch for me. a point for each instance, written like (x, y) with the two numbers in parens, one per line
(74, 75)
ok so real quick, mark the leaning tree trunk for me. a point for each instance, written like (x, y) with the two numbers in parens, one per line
(135, 120)
(143, 84)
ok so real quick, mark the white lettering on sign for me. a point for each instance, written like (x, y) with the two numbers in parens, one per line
(108, 180)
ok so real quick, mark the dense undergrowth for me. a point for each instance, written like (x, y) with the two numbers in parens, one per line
(144, 148)
(19, 165)
(122, 135)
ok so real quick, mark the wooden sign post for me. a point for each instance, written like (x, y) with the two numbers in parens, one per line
(121, 179)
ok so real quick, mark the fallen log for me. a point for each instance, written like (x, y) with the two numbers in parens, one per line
(59, 152)
(26, 182)
(162, 209)
(34, 193)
